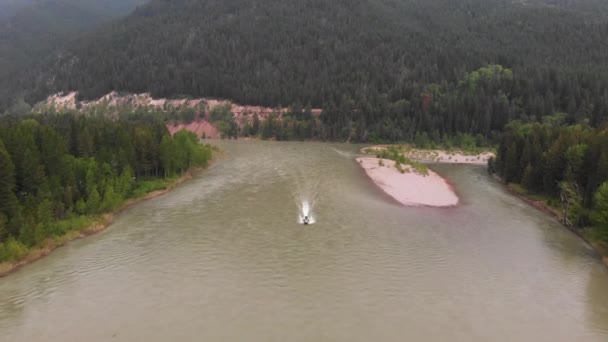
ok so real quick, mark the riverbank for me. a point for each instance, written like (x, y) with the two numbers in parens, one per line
(92, 225)
(541, 205)
(407, 185)
(436, 156)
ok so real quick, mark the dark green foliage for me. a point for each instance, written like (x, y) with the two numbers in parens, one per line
(31, 30)
(600, 216)
(8, 200)
(382, 70)
(224, 120)
(57, 167)
(189, 152)
(568, 163)
(272, 128)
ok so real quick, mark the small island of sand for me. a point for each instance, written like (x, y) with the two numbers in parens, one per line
(408, 185)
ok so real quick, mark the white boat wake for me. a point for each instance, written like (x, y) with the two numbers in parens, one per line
(306, 216)
(304, 184)
(305, 192)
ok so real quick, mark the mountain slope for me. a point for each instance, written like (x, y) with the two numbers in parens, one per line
(223, 48)
(424, 70)
(274, 52)
(32, 30)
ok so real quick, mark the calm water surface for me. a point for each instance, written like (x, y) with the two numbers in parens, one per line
(222, 258)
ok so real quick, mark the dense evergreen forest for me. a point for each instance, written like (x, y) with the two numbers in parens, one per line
(468, 113)
(33, 30)
(567, 164)
(59, 170)
(382, 69)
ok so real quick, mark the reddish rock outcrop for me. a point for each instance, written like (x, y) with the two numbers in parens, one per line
(200, 126)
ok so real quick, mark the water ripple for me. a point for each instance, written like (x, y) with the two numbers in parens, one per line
(222, 258)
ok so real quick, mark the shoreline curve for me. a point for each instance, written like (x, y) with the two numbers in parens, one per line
(100, 224)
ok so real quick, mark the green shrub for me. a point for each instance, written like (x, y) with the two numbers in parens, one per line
(396, 153)
(12, 250)
(62, 227)
(145, 186)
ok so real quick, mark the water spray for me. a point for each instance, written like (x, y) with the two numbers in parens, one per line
(306, 216)
(305, 194)
(305, 185)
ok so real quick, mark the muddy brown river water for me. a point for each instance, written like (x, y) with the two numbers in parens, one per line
(222, 258)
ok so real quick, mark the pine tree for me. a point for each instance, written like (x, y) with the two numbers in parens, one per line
(600, 216)
(8, 200)
(168, 155)
(93, 201)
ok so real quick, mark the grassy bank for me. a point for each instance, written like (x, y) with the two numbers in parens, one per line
(550, 206)
(417, 158)
(14, 255)
(540, 202)
(396, 153)
(464, 150)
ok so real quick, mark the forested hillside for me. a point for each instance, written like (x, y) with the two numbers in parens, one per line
(269, 52)
(381, 69)
(31, 32)
(58, 171)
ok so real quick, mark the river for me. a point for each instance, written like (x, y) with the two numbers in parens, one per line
(222, 258)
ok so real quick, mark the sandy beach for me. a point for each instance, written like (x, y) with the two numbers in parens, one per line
(409, 188)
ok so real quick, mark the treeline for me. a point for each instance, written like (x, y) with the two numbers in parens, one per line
(297, 123)
(567, 164)
(470, 112)
(383, 70)
(58, 170)
(479, 105)
(31, 30)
